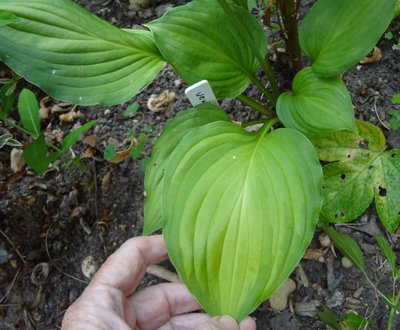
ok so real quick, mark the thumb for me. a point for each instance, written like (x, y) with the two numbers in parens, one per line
(219, 323)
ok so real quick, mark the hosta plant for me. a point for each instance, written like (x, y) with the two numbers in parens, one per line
(237, 209)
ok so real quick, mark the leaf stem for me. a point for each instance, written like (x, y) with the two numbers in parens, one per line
(20, 128)
(268, 125)
(254, 122)
(393, 311)
(288, 10)
(255, 105)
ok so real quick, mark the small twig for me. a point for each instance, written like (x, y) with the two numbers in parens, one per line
(96, 188)
(10, 286)
(14, 247)
(379, 118)
(54, 264)
(163, 273)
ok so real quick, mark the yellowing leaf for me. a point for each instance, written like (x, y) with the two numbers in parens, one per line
(361, 170)
(239, 210)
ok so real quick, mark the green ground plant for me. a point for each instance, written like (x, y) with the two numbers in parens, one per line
(349, 248)
(237, 209)
(38, 153)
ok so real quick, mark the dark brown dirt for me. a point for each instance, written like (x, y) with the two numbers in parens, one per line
(70, 214)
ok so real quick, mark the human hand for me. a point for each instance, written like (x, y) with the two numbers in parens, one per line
(109, 301)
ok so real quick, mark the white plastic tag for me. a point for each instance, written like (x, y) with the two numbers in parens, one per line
(200, 92)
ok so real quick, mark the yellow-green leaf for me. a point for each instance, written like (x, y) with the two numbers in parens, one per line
(317, 106)
(240, 209)
(173, 133)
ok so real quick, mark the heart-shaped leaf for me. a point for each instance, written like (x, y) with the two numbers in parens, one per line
(336, 34)
(317, 106)
(75, 56)
(173, 133)
(240, 209)
(361, 170)
(202, 41)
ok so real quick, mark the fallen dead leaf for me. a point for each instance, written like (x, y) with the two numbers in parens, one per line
(313, 254)
(17, 160)
(161, 103)
(91, 140)
(374, 56)
(121, 156)
(69, 117)
(55, 135)
(88, 153)
(44, 110)
(106, 182)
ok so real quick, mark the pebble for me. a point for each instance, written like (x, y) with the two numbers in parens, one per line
(346, 263)
(278, 301)
(89, 266)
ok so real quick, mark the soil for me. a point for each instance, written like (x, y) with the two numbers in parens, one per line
(51, 224)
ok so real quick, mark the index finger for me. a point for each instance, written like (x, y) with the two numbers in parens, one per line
(125, 268)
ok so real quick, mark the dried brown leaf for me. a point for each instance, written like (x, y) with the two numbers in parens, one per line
(106, 182)
(313, 254)
(69, 117)
(17, 161)
(374, 56)
(161, 103)
(91, 141)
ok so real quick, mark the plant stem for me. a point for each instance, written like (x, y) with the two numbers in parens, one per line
(266, 66)
(255, 105)
(20, 128)
(393, 311)
(263, 89)
(288, 9)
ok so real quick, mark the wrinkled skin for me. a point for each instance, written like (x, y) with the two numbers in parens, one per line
(110, 301)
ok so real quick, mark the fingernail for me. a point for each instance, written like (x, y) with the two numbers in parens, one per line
(227, 322)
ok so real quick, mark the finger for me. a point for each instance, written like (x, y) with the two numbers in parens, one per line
(185, 322)
(248, 324)
(156, 304)
(125, 267)
(219, 323)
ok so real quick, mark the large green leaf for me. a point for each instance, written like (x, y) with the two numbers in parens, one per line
(317, 105)
(338, 33)
(173, 133)
(202, 41)
(75, 56)
(240, 209)
(361, 170)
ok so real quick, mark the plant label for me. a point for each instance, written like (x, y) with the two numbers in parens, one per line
(200, 92)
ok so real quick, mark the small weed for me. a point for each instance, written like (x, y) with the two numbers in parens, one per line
(395, 112)
(39, 154)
